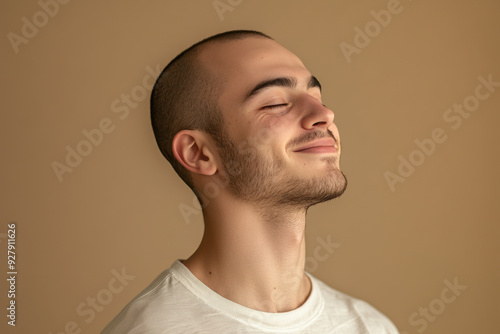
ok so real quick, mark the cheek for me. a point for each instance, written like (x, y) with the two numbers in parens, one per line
(278, 124)
(268, 130)
(271, 137)
(240, 131)
(269, 142)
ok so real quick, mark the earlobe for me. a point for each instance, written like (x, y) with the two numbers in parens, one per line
(191, 149)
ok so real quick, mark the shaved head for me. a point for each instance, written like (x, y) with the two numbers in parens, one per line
(185, 97)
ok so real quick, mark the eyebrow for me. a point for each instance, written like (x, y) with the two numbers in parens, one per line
(289, 82)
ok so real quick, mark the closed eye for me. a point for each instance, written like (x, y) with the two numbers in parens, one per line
(274, 106)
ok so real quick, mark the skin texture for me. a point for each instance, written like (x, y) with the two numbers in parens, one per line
(269, 164)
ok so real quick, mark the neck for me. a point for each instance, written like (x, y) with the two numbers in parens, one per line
(253, 256)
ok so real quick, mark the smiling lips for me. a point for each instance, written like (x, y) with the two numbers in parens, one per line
(324, 145)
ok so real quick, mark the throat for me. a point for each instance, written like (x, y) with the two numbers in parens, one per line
(256, 263)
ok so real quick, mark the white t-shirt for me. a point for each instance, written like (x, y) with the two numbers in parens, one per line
(177, 302)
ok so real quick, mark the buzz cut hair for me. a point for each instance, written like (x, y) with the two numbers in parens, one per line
(185, 97)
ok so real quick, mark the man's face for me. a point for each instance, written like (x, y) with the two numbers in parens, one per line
(279, 144)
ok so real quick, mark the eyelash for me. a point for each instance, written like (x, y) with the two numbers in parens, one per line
(275, 106)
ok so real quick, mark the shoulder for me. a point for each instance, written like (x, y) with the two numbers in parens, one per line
(154, 303)
(339, 305)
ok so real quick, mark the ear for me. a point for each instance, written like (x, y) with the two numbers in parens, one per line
(193, 150)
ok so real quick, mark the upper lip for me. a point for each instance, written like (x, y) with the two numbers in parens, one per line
(318, 143)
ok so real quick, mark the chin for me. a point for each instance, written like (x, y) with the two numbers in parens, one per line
(314, 191)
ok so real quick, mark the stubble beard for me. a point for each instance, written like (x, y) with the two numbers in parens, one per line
(256, 179)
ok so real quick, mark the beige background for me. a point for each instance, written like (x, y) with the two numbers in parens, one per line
(120, 207)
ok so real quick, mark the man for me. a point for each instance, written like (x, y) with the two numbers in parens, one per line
(240, 119)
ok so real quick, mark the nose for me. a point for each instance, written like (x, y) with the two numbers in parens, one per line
(315, 114)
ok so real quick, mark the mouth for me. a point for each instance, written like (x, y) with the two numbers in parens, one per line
(323, 145)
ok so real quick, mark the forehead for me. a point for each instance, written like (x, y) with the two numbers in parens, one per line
(241, 64)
